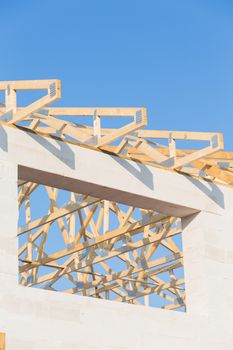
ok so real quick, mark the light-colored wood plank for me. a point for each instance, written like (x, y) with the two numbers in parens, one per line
(2, 341)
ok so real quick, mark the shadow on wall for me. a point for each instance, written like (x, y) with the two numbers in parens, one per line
(139, 170)
(3, 139)
(143, 173)
(63, 151)
(210, 189)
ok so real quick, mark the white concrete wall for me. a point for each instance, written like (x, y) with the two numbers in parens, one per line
(36, 319)
(208, 261)
(86, 171)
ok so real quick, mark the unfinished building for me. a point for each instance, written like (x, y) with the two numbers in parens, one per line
(121, 221)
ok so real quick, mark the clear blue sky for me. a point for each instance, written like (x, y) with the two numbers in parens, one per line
(173, 57)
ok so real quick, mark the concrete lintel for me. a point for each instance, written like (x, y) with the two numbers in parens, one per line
(83, 170)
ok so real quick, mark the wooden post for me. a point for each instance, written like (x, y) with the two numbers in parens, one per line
(2, 341)
(96, 127)
(10, 99)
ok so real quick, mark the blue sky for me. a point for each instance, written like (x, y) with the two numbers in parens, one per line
(173, 57)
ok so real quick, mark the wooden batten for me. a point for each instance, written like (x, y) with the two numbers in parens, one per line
(2, 341)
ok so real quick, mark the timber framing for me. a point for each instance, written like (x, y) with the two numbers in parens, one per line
(2, 341)
(153, 147)
(105, 249)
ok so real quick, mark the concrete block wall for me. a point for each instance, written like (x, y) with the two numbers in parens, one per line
(36, 319)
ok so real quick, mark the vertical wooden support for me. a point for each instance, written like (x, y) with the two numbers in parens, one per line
(146, 297)
(106, 216)
(10, 103)
(2, 341)
(10, 99)
(172, 147)
(96, 127)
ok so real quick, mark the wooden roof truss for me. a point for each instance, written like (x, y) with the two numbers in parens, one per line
(154, 147)
(93, 247)
(105, 249)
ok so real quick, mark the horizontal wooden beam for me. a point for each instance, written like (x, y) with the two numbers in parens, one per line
(132, 228)
(180, 135)
(27, 84)
(90, 111)
(92, 260)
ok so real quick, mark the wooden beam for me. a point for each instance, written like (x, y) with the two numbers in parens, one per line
(180, 135)
(70, 208)
(130, 271)
(54, 93)
(133, 228)
(27, 84)
(90, 111)
(151, 290)
(114, 253)
(2, 341)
